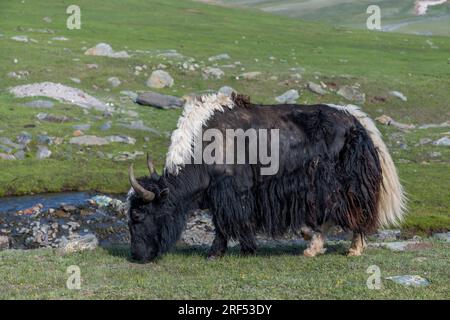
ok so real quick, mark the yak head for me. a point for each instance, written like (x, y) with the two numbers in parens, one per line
(149, 218)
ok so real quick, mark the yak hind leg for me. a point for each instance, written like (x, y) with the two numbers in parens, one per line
(218, 247)
(358, 245)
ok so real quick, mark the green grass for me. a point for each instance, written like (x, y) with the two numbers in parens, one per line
(281, 273)
(379, 62)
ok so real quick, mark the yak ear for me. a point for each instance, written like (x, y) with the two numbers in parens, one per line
(164, 194)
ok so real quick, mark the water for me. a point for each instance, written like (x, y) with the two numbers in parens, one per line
(49, 200)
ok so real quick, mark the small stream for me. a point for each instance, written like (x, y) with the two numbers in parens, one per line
(48, 200)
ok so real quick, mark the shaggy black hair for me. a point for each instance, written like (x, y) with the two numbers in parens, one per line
(329, 171)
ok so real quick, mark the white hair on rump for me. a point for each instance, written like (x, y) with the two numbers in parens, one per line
(196, 113)
(392, 202)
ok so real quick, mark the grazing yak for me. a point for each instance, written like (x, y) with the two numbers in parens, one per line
(333, 169)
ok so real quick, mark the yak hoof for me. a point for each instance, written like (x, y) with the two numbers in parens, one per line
(312, 253)
(354, 253)
(213, 257)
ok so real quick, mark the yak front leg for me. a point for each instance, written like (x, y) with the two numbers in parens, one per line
(248, 244)
(316, 243)
(218, 247)
(358, 245)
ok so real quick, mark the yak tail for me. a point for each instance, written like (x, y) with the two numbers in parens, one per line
(392, 200)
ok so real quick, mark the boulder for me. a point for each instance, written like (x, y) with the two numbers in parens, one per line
(160, 79)
(159, 100)
(289, 96)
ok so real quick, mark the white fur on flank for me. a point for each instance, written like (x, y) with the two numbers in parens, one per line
(392, 203)
(196, 113)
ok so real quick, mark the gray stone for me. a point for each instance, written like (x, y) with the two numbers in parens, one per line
(114, 82)
(47, 19)
(44, 104)
(52, 117)
(386, 235)
(171, 54)
(444, 141)
(76, 80)
(44, 139)
(289, 96)
(82, 127)
(59, 92)
(10, 143)
(399, 95)
(212, 73)
(19, 75)
(4, 156)
(105, 50)
(121, 139)
(132, 95)
(106, 126)
(444, 236)
(43, 152)
(86, 242)
(20, 38)
(425, 141)
(24, 138)
(159, 100)
(20, 155)
(250, 75)
(160, 79)
(4, 242)
(316, 88)
(397, 245)
(5, 149)
(226, 90)
(139, 125)
(409, 280)
(89, 140)
(127, 156)
(60, 39)
(223, 56)
(352, 94)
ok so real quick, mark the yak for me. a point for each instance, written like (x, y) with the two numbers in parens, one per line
(334, 170)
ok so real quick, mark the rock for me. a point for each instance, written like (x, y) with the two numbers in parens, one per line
(171, 54)
(77, 133)
(83, 127)
(19, 75)
(6, 149)
(424, 141)
(159, 100)
(212, 73)
(386, 235)
(20, 155)
(199, 229)
(105, 50)
(352, 94)
(250, 75)
(445, 124)
(24, 138)
(44, 104)
(106, 126)
(4, 242)
(444, 236)
(399, 95)
(89, 140)
(386, 120)
(223, 56)
(114, 82)
(316, 88)
(444, 141)
(68, 208)
(59, 92)
(47, 19)
(4, 156)
(121, 139)
(36, 209)
(289, 96)
(226, 90)
(76, 80)
(20, 38)
(127, 156)
(8, 142)
(92, 66)
(132, 95)
(139, 125)
(52, 117)
(86, 242)
(60, 39)
(400, 245)
(43, 152)
(160, 79)
(409, 280)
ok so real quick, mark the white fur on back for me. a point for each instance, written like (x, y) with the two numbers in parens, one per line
(392, 203)
(196, 113)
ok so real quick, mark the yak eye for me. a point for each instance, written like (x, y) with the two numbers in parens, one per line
(136, 215)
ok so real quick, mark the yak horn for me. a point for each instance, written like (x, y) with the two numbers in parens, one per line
(145, 195)
(150, 165)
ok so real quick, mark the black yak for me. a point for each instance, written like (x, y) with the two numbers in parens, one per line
(333, 169)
